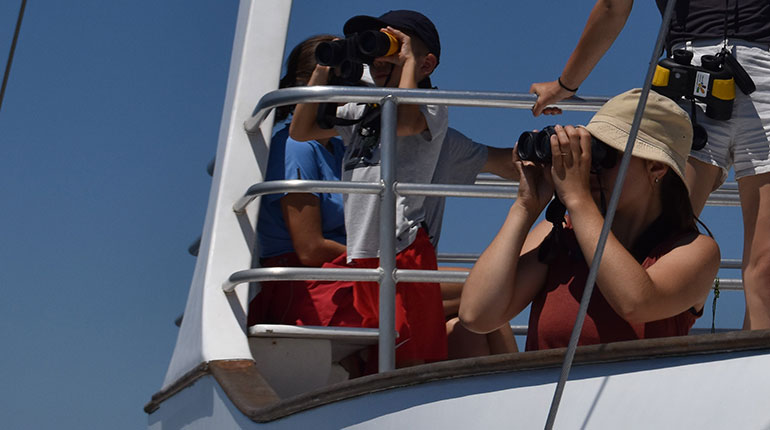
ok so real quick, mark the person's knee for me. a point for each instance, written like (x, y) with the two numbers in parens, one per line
(757, 266)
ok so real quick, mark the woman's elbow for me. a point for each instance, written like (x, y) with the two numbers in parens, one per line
(297, 133)
(309, 256)
(634, 315)
(473, 320)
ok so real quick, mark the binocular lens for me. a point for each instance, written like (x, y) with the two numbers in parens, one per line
(330, 53)
(351, 71)
(377, 44)
(536, 147)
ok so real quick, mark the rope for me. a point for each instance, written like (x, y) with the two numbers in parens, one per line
(13, 50)
(578, 327)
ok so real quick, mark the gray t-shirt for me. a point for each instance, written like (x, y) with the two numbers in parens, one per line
(459, 163)
(416, 158)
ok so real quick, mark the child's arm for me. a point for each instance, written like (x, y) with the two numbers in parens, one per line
(410, 118)
(500, 162)
(303, 123)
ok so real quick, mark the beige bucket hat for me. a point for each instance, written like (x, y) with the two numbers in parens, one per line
(665, 133)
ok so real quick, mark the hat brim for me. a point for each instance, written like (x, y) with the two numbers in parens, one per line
(615, 135)
(361, 23)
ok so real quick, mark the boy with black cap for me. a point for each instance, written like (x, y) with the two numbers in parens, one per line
(421, 131)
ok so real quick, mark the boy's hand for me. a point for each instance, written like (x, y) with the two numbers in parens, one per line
(405, 50)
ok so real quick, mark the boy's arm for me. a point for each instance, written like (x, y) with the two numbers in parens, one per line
(500, 162)
(303, 122)
(410, 118)
(605, 23)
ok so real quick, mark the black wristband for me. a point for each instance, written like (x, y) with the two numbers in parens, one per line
(561, 84)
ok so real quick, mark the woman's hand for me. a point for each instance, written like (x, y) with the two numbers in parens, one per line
(535, 187)
(571, 165)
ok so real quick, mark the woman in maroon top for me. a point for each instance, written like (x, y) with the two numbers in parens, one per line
(657, 269)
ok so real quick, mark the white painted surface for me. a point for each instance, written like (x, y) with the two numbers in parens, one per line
(201, 406)
(726, 391)
(214, 325)
(293, 366)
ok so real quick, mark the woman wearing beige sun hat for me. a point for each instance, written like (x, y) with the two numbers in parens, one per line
(657, 269)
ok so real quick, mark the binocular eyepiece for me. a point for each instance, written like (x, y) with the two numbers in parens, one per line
(350, 54)
(535, 146)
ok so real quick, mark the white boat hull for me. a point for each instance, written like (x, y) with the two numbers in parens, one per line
(704, 391)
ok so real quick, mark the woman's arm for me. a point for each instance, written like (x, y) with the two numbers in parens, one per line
(677, 281)
(302, 214)
(606, 21)
(502, 283)
(507, 275)
(303, 122)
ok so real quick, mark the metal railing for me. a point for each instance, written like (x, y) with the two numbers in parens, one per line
(324, 93)
(387, 275)
(487, 186)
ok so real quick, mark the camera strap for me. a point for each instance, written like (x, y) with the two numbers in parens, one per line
(551, 245)
(742, 79)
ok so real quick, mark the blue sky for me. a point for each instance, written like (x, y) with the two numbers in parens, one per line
(110, 118)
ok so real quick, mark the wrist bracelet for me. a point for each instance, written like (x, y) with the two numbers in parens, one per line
(561, 84)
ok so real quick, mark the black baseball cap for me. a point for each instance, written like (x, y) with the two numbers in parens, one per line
(410, 21)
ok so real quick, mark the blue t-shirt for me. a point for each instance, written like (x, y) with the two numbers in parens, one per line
(290, 159)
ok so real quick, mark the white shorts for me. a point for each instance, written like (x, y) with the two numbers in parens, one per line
(742, 142)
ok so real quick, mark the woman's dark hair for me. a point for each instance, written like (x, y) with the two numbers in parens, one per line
(675, 201)
(299, 67)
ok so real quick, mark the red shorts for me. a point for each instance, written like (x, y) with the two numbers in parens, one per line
(419, 313)
(303, 302)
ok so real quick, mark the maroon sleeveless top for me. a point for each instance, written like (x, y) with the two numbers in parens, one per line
(555, 307)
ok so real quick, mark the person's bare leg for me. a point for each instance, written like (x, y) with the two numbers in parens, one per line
(755, 205)
(502, 341)
(463, 343)
(450, 293)
(702, 178)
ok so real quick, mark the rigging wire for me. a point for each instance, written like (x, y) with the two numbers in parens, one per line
(13, 50)
(578, 327)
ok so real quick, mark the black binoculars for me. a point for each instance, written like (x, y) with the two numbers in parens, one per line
(350, 54)
(712, 83)
(535, 146)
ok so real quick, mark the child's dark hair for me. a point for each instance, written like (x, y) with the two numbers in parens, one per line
(299, 67)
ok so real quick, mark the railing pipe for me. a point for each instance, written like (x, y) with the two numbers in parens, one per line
(387, 340)
(298, 274)
(446, 190)
(326, 93)
(486, 186)
(303, 186)
(373, 275)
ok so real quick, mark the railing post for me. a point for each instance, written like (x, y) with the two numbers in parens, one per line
(387, 341)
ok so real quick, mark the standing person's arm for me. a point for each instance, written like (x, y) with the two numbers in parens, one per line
(604, 24)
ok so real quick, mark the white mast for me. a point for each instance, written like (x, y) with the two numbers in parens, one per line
(214, 324)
